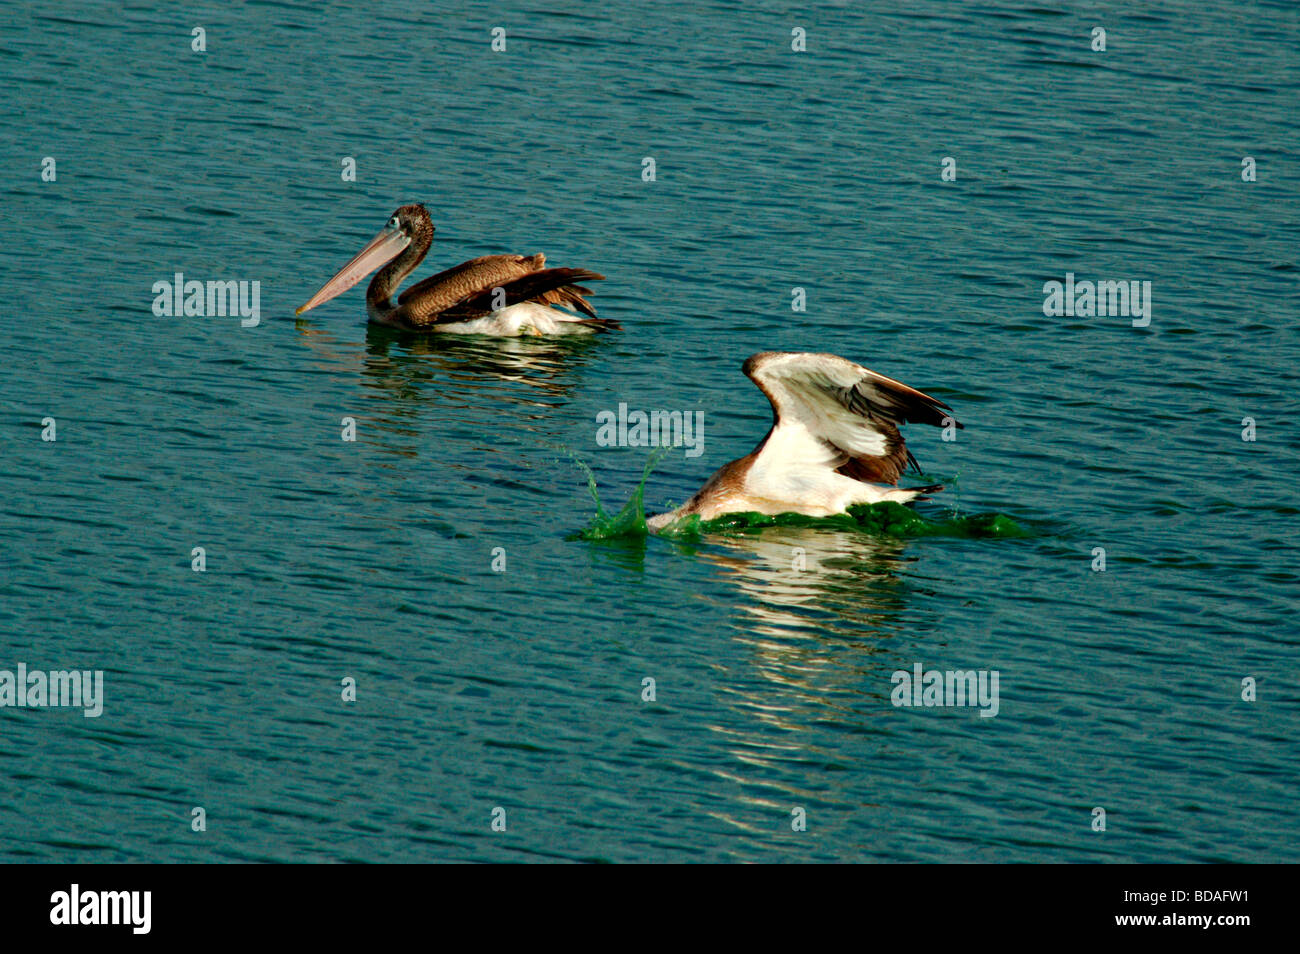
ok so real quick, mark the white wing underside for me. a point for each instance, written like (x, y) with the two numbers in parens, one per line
(814, 434)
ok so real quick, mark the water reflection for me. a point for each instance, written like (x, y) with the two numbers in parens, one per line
(811, 582)
(396, 358)
(416, 378)
(816, 608)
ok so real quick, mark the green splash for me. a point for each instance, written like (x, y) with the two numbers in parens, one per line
(628, 522)
(886, 519)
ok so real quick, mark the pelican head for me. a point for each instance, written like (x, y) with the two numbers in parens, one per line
(410, 223)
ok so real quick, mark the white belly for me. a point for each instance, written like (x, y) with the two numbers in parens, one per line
(816, 491)
(524, 319)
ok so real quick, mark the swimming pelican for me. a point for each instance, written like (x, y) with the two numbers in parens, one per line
(834, 438)
(503, 295)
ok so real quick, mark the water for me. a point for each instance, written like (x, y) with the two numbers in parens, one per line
(522, 689)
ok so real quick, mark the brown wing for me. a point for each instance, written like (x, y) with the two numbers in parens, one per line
(425, 301)
(552, 286)
(570, 296)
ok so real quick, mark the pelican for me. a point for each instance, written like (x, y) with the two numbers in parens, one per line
(834, 439)
(502, 295)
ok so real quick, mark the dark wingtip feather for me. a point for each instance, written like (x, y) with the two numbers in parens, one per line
(577, 274)
(923, 493)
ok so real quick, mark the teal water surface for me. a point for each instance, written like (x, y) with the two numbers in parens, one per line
(439, 560)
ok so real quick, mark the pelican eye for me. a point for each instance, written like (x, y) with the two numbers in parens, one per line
(393, 223)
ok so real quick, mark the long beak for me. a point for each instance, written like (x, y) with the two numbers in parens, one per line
(381, 250)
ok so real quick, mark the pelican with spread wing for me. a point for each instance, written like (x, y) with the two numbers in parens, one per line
(834, 441)
(501, 295)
